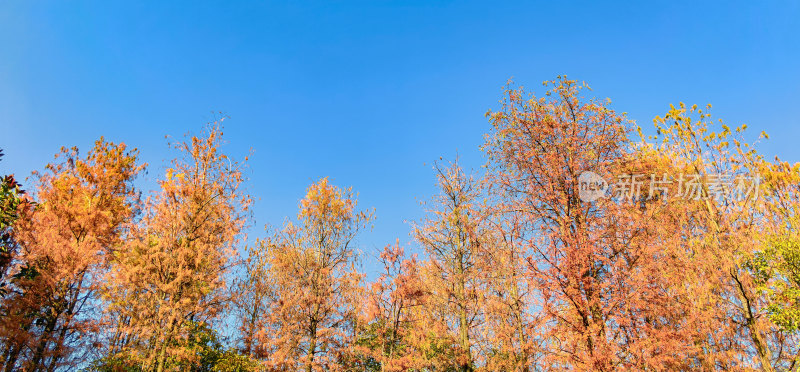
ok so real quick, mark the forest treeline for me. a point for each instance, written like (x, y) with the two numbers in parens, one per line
(687, 268)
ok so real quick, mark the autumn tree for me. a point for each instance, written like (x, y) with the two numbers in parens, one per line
(252, 292)
(311, 322)
(744, 222)
(171, 274)
(509, 304)
(83, 207)
(594, 266)
(390, 321)
(452, 235)
(538, 148)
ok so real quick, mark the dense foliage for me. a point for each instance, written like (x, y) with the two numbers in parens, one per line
(688, 258)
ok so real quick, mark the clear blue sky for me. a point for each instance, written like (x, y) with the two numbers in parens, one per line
(370, 93)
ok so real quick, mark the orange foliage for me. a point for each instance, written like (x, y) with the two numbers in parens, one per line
(520, 271)
(310, 267)
(172, 270)
(82, 212)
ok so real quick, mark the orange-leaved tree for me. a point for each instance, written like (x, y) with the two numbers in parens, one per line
(744, 206)
(84, 205)
(394, 299)
(252, 292)
(454, 236)
(311, 322)
(594, 265)
(509, 305)
(171, 274)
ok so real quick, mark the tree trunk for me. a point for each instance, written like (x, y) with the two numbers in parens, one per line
(464, 338)
(762, 348)
(162, 353)
(312, 346)
(522, 360)
(38, 355)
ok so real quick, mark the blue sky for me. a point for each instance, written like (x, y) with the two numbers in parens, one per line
(370, 93)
